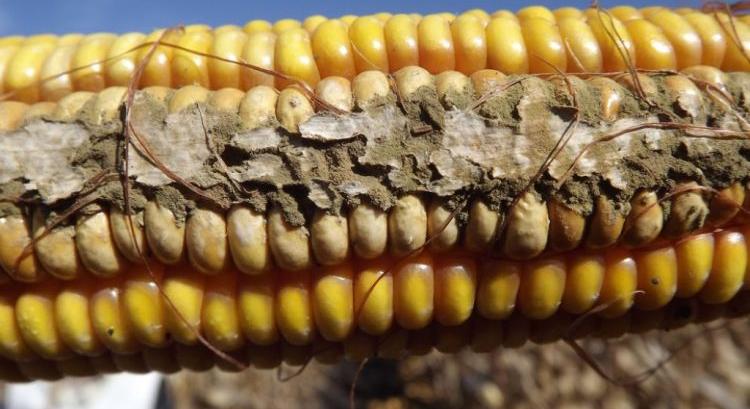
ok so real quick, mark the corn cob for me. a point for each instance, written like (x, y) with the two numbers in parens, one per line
(370, 219)
(535, 40)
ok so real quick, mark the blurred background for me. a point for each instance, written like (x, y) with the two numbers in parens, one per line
(24, 17)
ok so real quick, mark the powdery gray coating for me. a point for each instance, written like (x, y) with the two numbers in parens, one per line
(490, 151)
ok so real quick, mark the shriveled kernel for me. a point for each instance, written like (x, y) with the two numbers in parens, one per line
(11, 114)
(436, 50)
(583, 283)
(410, 79)
(56, 250)
(645, 220)
(605, 225)
(128, 234)
(455, 289)
(481, 229)
(226, 100)
(413, 292)
(260, 52)
(289, 244)
(541, 289)
(69, 107)
(39, 110)
(612, 95)
(498, 288)
(688, 211)
(336, 92)
(657, 277)
(368, 42)
(96, 245)
(566, 226)
(107, 105)
(248, 241)
(333, 50)
(401, 42)
(368, 231)
(407, 225)
(333, 301)
(726, 204)
(442, 228)
(373, 296)
(449, 85)
(506, 50)
(164, 233)
(487, 82)
(292, 108)
(187, 97)
(370, 88)
(695, 256)
(258, 107)
(206, 241)
(728, 268)
(527, 228)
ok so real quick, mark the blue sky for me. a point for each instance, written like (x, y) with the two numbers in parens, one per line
(86, 16)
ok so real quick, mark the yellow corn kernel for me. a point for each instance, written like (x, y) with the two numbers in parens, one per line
(190, 68)
(109, 318)
(455, 289)
(348, 19)
(294, 316)
(122, 58)
(54, 74)
(400, 35)
(7, 52)
(625, 13)
(36, 321)
(532, 12)
(311, 23)
(285, 25)
(228, 45)
(225, 29)
(373, 296)
(584, 53)
(368, 43)
(257, 26)
(498, 288)
(506, 50)
(686, 42)
(91, 50)
(652, 49)
(143, 305)
(256, 306)
(294, 58)
(259, 51)
(333, 304)
(567, 13)
(583, 283)
(657, 277)
(546, 48)
(12, 345)
(436, 51)
(738, 42)
(614, 40)
(184, 290)
(728, 269)
(695, 256)
(619, 284)
(470, 43)
(333, 51)
(647, 12)
(219, 319)
(713, 38)
(504, 14)
(541, 288)
(74, 321)
(156, 70)
(480, 15)
(24, 68)
(413, 292)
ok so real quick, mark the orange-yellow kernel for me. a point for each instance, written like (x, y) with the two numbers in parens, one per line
(219, 318)
(619, 285)
(541, 289)
(122, 58)
(157, 68)
(614, 40)
(184, 289)
(190, 68)
(285, 24)
(546, 49)
(584, 53)
(532, 12)
(294, 58)
(583, 283)
(728, 269)
(470, 42)
(23, 70)
(657, 277)
(332, 50)
(89, 54)
(686, 42)
(313, 22)
(738, 42)
(368, 44)
(259, 51)
(498, 289)
(695, 256)
(228, 45)
(293, 310)
(625, 13)
(401, 42)
(256, 308)
(257, 26)
(455, 289)
(436, 50)
(373, 296)
(652, 49)
(713, 38)
(333, 304)
(506, 50)
(413, 292)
